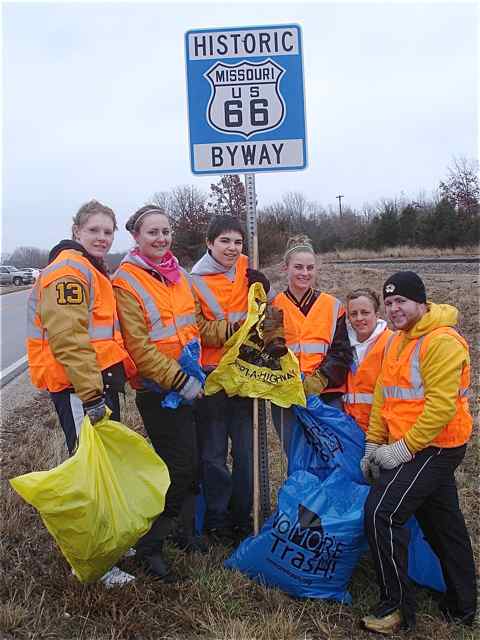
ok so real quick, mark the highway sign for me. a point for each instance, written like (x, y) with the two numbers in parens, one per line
(245, 99)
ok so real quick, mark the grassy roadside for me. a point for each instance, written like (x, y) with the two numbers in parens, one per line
(4, 289)
(40, 599)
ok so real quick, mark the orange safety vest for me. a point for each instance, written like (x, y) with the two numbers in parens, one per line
(361, 381)
(169, 310)
(404, 393)
(103, 326)
(222, 299)
(309, 337)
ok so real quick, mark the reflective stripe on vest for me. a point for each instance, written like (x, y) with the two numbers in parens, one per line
(334, 319)
(95, 332)
(33, 331)
(210, 299)
(158, 330)
(308, 347)
(417, 391)
(355, 398)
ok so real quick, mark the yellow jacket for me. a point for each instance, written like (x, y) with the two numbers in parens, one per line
(441, 369)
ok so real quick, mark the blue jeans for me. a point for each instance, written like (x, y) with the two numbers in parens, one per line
(228, 496)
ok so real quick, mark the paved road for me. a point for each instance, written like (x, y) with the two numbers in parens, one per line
(13, 321)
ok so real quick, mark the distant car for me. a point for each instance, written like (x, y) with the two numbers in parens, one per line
(34, 272)
(12, 275)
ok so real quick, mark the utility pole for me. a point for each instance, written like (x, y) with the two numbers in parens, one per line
(339, 198)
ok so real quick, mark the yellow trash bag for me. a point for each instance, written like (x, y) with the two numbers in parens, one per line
(99, 502)
(247, 370)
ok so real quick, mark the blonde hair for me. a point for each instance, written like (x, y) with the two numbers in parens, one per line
(90, 209)
(296, 244)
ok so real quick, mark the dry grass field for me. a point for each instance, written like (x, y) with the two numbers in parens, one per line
(40, 599)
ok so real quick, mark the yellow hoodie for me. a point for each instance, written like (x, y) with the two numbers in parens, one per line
(440, 368)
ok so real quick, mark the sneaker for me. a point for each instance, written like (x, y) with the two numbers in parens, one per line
(455, 617)
(240, 533)
(190, 544)
(385, 618)
(221, 535)
(155, 565)
(116, 577)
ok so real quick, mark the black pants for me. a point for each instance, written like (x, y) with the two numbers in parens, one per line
(173, 436)
(424, 487)
(70, 412)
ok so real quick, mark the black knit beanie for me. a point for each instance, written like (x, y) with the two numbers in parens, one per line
(407, 284)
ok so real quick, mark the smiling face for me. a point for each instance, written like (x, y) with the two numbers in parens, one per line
(363, 317)
(95, 234)
(403, 313)
(226, 248)
(154, 237)
(301, 271)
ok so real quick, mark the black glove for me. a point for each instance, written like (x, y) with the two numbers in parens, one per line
(95, 409)
(257, 276)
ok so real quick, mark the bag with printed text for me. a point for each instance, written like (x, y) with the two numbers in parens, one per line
(249, 369)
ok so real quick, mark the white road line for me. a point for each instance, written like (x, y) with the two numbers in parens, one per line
(10, 369)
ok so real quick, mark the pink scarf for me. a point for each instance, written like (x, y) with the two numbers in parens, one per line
(167, 267)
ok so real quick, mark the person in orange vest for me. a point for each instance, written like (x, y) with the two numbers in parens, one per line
(74, 346)
(368, 335)
(417, 436)
(315, 330)
(157, 312)
(221, 279)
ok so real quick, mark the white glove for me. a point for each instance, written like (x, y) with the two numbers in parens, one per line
(389, 456)
(365, 462)
(191, 389)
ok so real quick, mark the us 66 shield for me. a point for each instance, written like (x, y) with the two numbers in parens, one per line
(246, 99)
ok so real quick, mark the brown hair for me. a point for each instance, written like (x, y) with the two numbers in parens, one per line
(135, 221)
(295, 244)
(88, 210)
(367, 293)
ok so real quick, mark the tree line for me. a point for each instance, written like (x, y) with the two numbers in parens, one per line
(448, 219)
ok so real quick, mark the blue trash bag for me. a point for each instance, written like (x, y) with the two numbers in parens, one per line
(190, 363)
(311, 545)
(423, 564)
(325, 438)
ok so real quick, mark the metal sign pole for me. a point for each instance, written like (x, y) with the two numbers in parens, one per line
(261, 485)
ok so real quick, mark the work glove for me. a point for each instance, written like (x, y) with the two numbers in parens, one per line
(370, 469)
(95, 409)
(257, 276)
(389, 456)
(314, 384)
(191, 389)
(273, 335)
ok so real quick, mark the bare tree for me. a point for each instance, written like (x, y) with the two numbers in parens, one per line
(29, 257)
(228, 197)
(461, 186)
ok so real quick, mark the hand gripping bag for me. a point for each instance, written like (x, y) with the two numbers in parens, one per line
(311, 545)
(99, 502)
(247, 370)
(190, 362)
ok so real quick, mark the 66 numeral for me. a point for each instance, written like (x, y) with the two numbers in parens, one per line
(258, 112)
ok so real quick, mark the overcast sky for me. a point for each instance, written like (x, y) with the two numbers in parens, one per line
(95, 104)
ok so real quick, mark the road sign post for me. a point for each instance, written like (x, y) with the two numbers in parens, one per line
(247, 115)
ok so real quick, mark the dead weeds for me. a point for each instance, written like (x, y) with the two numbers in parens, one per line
(40, 599)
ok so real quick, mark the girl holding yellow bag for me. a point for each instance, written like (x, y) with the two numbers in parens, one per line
(74, 346)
